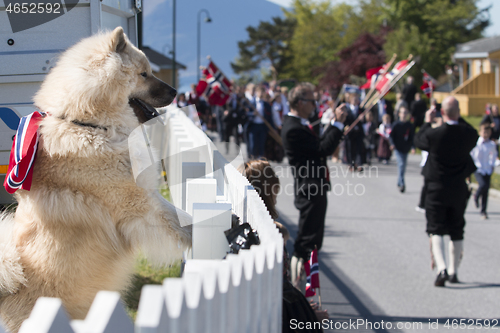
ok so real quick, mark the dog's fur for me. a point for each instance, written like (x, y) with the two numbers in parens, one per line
(80, 226)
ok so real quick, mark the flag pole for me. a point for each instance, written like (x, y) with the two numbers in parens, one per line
(372, 89)
(379, 96)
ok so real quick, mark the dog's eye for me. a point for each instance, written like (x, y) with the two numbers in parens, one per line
(144, 74)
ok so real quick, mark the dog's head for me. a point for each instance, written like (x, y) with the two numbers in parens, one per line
(104, 79)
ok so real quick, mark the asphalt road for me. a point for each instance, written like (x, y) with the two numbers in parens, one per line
(375, 270)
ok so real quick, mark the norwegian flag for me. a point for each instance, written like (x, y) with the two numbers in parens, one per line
(427, 88)
(427, 78)
(312, 272)
(373, 75)
(214, 85)
(384, 83)
(23, 154)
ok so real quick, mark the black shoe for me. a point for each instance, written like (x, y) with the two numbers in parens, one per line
(402, 189)
(441, 278)
(453, 278)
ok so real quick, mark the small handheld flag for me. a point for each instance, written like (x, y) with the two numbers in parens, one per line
(23, 154)
(427, 89)
(309, 290)
(312, 273)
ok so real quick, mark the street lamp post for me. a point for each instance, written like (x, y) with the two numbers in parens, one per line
(208, 20)
(173, 47)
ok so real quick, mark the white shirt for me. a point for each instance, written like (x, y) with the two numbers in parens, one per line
(484, 156)
(259, 106)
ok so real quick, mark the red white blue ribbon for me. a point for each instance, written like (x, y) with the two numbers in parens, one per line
(23, 154)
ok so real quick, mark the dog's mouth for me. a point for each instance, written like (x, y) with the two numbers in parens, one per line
(143, 111)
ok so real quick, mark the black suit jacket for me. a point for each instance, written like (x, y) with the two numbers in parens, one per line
(449, 146)
(307, 152)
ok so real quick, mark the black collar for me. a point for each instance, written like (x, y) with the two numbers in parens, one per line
(76, 122)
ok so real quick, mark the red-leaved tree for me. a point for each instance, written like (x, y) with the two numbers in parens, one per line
(364, 53)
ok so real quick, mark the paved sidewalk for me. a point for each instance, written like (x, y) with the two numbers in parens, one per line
(375, 261)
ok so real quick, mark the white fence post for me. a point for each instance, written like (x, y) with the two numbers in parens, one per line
(152, 313)
(202, 190)
(107, 315)
(209, 223)
(47, 316)
(219, 173)
(190, 170)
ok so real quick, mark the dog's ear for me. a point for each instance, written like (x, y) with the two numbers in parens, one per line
(118, 40)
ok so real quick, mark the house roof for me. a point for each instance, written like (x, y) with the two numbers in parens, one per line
(479, 48)
(159, 61)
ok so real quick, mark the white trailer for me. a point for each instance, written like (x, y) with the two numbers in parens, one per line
(27, 56)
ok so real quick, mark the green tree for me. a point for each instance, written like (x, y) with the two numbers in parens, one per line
(267, 45)
(431, 29)
(324, 29)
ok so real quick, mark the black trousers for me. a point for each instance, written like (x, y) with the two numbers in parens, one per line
(311, 222)
(445, 208)
(483, 189)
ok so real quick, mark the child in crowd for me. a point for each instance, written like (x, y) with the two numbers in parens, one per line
(262, 177)
(401, 139)
(384, 152)
(484, 156)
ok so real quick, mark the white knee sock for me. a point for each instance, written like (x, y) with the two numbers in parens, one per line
(438, 251)
(455, 249)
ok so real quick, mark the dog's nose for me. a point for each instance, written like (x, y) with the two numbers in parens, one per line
(173, 92)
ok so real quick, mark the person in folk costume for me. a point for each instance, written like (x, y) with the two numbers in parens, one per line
(307, 153)
(448, 165)
(384, 152)
(264, 180)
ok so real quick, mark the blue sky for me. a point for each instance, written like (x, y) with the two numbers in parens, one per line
(219, 38)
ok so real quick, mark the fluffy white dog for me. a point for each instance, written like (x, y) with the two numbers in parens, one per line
(80, 226)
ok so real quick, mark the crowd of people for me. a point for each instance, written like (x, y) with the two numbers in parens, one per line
(311, 125)
(254, 115)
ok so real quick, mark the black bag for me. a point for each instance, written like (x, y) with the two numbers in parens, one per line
(241, 237)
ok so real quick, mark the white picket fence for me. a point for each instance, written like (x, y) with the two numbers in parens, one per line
(242, 293)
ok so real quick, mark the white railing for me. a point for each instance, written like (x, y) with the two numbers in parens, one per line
(242, 293)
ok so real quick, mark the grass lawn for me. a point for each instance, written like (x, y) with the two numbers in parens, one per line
(147, 273)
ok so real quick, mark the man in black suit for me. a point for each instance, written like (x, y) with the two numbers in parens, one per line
(448, 165)
(307, 154)
(354, 140)
(409, 91)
